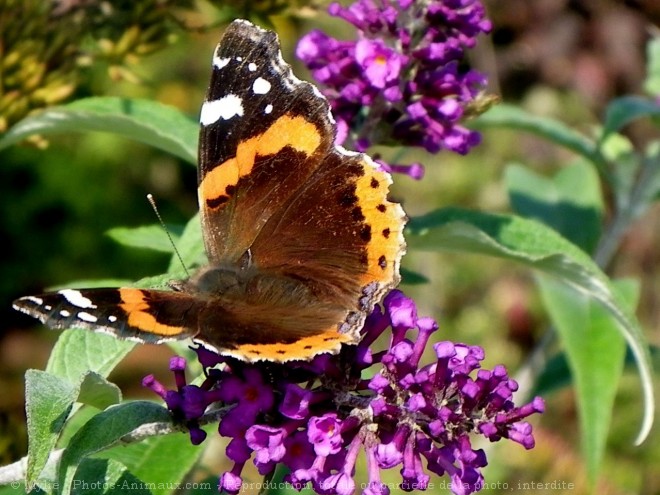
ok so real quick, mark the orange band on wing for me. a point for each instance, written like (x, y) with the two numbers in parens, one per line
(138, 316)
(386, 221)
(293, 131)
(304, 349)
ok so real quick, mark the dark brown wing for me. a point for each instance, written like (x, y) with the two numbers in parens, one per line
(340, 235)
(263, 134)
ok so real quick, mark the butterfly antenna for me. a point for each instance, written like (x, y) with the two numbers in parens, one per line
(152, 202)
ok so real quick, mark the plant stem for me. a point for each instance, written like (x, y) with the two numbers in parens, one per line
(632, 207)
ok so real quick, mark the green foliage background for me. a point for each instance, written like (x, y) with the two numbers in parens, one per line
(57, 204)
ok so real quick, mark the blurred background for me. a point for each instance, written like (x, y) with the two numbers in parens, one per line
(558, 58)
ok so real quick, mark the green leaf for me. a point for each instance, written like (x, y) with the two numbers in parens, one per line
(513, 117)
(537, 246)
(159, 282)
(652, 164)
(624, 167)
(147, 237)
(98, 392)
(76, 421)
(92, 283)
(78, 351)
(206, 486)
(191, 249)
(106, 477)
(190, 246)
(652, 82)
(105, 430)
(48, 402)
(595, 350)
(149, 122)
(151, 460)
(18, 488)
(570, 202)
(555, 375)
(410, 277)
(621, 111)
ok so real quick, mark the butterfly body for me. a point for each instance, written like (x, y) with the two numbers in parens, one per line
(301, 239)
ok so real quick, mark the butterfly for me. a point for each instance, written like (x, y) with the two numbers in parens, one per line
(300, 236)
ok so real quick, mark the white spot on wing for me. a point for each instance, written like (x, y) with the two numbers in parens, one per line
(87, 317)
(268, 109)
(260, 86)
(239, 59)
(112, 318)
(65, 313)
(76, 298)
(36, 300)
(219, 63)
(48, 307)
(225, 108)
(252, 67)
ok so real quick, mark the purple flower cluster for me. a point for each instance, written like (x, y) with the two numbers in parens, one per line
(315, 418)
(403, 80)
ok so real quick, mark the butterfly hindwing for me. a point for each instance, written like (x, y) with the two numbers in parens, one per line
(353, 239)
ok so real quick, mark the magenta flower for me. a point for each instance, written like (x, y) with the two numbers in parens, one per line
(316, 418)
(403, 81)
(230, 482)
(267, 442)
(324, 433)
(381, 64)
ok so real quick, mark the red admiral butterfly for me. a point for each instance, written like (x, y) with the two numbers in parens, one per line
(301, 239)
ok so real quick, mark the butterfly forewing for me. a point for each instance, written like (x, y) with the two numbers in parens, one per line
(263, 134)
(134, 314)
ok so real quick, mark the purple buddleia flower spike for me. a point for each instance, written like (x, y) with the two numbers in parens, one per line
(403, 79)
(315, 418)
